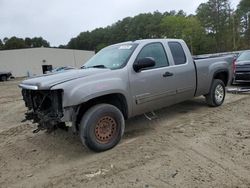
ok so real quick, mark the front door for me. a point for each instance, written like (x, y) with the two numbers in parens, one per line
(153, 88)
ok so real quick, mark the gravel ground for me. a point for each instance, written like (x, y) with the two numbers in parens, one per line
(188, 145)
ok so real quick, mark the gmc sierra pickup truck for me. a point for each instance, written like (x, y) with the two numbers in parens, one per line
(122, 81)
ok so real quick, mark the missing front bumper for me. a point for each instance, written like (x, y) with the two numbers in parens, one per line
(44, 107)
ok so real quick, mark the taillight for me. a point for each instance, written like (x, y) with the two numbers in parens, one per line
(234, 65)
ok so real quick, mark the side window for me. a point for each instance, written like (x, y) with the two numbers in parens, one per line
(156, 51)
(178, 53)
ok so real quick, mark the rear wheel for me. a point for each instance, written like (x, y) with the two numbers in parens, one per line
(102, 127)
(217, 93)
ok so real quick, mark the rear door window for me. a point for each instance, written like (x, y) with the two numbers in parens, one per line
(177, 53)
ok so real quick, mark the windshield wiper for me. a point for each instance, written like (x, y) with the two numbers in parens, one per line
(96, 66)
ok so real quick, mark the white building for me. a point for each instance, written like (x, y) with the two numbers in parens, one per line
(31, 61)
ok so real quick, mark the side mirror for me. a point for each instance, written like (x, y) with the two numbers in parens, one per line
(143, 63)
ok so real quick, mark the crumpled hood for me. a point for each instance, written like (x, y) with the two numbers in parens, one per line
(49, 80)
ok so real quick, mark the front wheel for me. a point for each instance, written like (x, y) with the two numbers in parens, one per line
(216, 94)
(102, 127)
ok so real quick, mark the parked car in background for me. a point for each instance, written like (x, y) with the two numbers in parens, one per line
(242, 68)
(60, 69)
(4, 76)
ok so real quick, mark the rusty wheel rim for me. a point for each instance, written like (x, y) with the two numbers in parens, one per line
(105, 129)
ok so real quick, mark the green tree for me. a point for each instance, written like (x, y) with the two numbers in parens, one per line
(145, 26)
(187, 28)
(139, 27)
(28, 42)
(215, 18)
(244, 6)
(14, 43)
(18, 43)
(62, 46)
(5, 40)
(243, 12)
(215, 28)
(39, 42)
(100, 46)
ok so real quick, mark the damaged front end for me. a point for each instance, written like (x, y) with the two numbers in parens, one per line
(44, 107)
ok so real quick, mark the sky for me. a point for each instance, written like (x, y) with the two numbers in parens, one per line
(57, 21)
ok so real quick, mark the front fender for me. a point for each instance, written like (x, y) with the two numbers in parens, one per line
(78, 91)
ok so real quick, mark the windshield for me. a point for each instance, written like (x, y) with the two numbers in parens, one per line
(112, 57)
(244, 56)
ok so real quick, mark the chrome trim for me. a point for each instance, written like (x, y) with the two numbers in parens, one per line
(147, 97)
(28, 87)
(243, 81)
(242, 73)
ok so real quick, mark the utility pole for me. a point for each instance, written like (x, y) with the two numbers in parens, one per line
(234, 45)
(247, 32)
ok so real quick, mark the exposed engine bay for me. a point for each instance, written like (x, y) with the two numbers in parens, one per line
(44, 107)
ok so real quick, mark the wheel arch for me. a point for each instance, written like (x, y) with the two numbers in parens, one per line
(116, 99)
(221, 74)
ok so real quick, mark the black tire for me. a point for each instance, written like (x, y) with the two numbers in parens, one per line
(102, 127)
(217, 93)
(3, 78)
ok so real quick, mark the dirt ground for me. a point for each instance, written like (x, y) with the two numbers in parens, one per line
(188, 145)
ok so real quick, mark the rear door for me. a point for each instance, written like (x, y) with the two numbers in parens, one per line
(184, 69)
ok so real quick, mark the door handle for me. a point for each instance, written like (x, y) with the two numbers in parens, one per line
(167, 74)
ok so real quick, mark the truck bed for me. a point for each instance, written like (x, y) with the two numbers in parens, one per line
(204, 68)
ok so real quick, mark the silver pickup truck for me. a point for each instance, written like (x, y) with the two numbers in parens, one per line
(122, 81)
